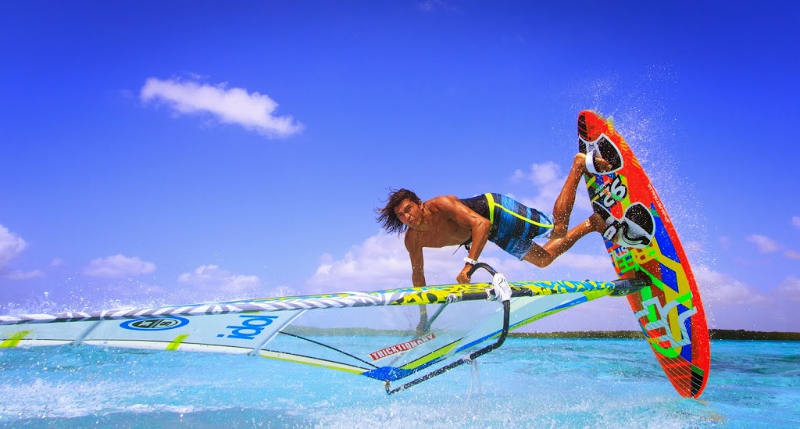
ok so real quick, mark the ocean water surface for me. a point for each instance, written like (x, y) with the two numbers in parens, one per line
(526, 383)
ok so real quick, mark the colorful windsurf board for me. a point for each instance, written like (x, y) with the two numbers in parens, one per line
(642, 242)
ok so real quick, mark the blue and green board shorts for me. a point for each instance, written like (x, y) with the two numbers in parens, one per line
(514, 225)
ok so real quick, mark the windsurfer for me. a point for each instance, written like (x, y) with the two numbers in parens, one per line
(447, 221)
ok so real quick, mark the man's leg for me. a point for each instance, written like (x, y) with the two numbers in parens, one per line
(562, 209)
(542, 256)
(423, 320)
(561, 239)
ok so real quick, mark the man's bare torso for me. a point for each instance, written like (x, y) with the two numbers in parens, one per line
(439, 229)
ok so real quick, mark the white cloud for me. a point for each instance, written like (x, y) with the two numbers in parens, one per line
(212, 278)
(118, 266)
(767, 245)
(253, 110)
(10, 246)
(542, 174)
(548, 180)
(796, 221)
(719, 288)
(24, 275)
(763, 243)
(791, 254)
(433, 5)
(594, 264)
(790, 289)
(381, 262)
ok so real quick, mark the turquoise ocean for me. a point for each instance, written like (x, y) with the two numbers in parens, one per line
(526, 383)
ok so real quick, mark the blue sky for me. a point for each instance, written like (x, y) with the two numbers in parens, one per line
(161, 153)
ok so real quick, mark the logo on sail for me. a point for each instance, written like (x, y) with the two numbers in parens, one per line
(154, 323)
(400, 348)
(250, 327)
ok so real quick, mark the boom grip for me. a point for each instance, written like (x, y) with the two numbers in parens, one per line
(483, 265)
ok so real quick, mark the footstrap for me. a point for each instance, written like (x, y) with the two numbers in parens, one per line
(590, 163)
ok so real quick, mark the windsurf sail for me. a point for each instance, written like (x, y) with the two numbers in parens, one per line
(372, 334)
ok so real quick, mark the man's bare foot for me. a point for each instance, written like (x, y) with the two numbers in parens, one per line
(601, 164)
(422, 327)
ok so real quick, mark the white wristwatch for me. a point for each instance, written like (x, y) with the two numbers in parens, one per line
(470, 260)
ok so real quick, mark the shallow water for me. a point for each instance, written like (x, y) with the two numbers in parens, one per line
(526, 383)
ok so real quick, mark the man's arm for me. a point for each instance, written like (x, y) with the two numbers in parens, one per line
(417, 275)
(417, 261)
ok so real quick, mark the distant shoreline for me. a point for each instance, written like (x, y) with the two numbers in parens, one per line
(716, 334)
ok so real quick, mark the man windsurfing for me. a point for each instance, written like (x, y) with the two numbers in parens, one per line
(449, 221)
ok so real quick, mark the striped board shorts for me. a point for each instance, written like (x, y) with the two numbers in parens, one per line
(514, 225)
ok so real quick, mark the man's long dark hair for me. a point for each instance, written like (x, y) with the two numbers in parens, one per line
(386, 215)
